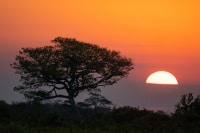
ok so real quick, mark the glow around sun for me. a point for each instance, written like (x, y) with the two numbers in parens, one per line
(162, 77)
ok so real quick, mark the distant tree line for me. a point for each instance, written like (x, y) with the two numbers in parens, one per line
(35, 115)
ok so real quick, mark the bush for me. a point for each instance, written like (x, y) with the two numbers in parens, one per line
(4, 111)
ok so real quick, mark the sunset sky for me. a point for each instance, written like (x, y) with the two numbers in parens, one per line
(156, 34)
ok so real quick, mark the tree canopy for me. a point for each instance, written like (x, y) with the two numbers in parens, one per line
(188, 105)
(70, 66)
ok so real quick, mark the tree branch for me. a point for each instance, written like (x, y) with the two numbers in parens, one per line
(57, 96)
(52, 97)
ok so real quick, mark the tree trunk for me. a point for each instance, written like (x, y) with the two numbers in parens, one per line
(74, 107)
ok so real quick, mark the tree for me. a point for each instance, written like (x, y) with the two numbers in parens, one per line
(69, 66)
(188, 105)
(96, 101)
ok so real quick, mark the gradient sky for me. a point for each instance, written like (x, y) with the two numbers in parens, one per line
(156, 34)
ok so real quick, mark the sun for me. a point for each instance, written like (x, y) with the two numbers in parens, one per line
(162, 77)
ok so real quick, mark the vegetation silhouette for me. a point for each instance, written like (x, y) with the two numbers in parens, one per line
(54, 117)
(188, 105)
(66, 69)
(96, 103)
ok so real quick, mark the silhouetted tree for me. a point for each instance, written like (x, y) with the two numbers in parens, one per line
(96, 101)
(69, 66)
(188, 105)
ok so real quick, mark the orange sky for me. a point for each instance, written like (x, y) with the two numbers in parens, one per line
(157, 34)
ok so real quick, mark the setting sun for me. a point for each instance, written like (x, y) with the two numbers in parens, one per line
(162, 77)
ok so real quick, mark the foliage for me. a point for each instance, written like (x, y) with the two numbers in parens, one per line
(96, 101)
(70, 67)
(188, 105)
(4, 111)
(33, 117)
(187, 113)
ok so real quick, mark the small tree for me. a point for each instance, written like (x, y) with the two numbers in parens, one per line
(69, 65)
(188, 105)
(96, 101)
